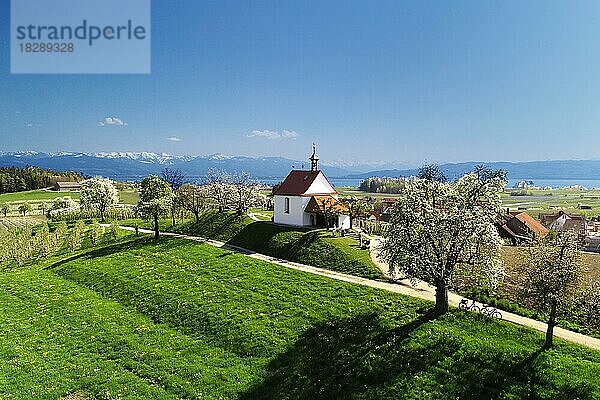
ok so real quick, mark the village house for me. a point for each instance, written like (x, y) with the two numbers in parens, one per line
(67, 186)
(306, 198)
(561, 221)
(519, 227)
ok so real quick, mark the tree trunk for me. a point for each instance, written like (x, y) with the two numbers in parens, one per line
(197, 215)
(551, 324)
(441, 300)
(156, 232)
(101, 216)
(351, 220)
(173, 216)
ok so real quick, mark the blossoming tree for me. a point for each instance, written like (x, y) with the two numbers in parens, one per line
(437, 226)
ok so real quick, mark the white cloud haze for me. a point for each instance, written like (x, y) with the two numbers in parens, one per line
(174, 139)
(273, 135)
(112, 121)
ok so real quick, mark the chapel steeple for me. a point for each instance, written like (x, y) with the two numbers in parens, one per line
(314, 159)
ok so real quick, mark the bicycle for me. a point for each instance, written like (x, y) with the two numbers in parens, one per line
(491, 311)
(464, 305)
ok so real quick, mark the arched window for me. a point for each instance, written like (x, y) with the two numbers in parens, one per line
(287, 205)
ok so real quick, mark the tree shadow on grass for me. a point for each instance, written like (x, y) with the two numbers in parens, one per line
(362, 357)
(213, 225)
(115, 248)
(258, 236)
(334, 360)
(303, 242)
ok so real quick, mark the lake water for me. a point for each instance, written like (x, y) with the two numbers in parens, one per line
(554, 183)
(559, 183)
(346, 182)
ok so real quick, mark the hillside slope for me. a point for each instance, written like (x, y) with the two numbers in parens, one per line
(313, 247)
(182, 319)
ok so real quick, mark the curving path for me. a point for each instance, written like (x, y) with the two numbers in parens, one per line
(420, 290)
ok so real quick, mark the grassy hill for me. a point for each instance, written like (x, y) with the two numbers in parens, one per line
(313, 247)
(178, 319)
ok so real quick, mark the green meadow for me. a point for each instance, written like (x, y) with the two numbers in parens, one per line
(178, 319)
(314, 247)
(42, 195)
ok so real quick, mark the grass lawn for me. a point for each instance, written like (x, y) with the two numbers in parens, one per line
(178, 319)
(36, 196)
(313, 247)
(39, 196)
(129, 197)
(59, 338)
(263, 215)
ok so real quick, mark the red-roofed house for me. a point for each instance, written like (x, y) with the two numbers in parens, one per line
(304, 198)
(520, 227)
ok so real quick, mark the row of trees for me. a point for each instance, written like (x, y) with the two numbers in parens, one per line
(98, 197)
(382, 185)
(438, 228)
(14, 179)
(97, 194)
(221, 191)
(45, 208)
(115, 213)
(170, 193)
(23, 245)
(22, 208)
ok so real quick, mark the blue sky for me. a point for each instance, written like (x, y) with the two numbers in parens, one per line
(367, 80)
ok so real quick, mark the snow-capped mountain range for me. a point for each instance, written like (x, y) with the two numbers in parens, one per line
(135, 165)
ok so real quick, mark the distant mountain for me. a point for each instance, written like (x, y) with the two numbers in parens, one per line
(134, 166)
(358, 167)
(137, 165)
(555, 169)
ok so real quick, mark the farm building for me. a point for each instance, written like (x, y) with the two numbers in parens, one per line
(561, 221)
(306, 198)
(67, 186)
(520, 227)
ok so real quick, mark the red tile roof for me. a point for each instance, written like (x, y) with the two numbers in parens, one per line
(318, 204)
(532, 224)
(297, 183)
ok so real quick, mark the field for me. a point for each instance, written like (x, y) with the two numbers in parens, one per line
(313, 247)
(537, 201)
(37, 197)
(590, 262)
(513, 258)
(19, 222)
(129, 197)
(177, 319)
(510, 296)
(534, 201)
